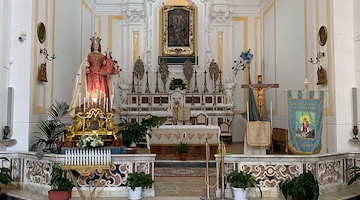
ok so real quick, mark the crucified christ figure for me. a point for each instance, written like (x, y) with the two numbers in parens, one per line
(261, 92)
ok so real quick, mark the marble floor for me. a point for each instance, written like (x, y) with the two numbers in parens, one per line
(189, 188)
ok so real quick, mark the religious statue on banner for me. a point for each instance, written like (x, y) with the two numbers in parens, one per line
(94, 78)
(42, 73)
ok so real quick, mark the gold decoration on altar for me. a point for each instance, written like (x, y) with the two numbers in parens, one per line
(93, 122)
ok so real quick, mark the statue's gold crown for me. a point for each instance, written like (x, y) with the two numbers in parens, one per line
(95, 38)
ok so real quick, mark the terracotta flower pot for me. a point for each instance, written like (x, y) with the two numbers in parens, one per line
(183, 156)
(59, 195)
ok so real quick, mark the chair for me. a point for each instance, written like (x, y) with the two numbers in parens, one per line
(201, 119)
(225, 134)
(280, 141)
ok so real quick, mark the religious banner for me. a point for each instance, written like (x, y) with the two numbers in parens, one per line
(305, 122)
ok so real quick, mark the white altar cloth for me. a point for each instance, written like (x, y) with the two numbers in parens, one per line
(190, 134)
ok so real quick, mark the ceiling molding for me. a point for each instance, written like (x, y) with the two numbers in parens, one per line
(235, 6)
(264, 4)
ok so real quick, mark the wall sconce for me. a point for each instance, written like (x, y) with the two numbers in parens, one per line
(45, 53)
(317, 59)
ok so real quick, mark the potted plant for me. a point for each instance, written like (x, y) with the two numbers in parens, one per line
(356, 172)
(177, 83)
(61, 186)
(304, 186)
(133, 132)
(51, 129)
(240, 181)
(182, 149)
(5, 177)
(136, 181)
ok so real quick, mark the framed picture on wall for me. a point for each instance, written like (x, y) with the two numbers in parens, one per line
(178, 31)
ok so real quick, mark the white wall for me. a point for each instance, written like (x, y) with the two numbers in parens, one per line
(5, 24)
(20, 70)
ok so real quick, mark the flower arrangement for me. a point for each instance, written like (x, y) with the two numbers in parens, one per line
(177, 83)
(89, 141)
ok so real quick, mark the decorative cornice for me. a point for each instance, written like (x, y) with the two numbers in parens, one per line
(220, 16)
(264, 4)
(135, 16)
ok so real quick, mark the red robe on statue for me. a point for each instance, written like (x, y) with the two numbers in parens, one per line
(96, 82)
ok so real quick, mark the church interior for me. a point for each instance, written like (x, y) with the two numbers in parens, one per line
(109, 88)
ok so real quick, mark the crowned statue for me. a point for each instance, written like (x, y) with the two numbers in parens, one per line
(94, 78)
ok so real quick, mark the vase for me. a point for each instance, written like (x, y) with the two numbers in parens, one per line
(239, 193)
(134, 194)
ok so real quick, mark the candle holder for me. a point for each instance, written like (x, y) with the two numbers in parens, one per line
(6, 131)
(355, 132)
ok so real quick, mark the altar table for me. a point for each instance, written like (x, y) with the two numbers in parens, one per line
(166, 138)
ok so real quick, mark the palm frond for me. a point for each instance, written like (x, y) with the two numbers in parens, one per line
(58, 110)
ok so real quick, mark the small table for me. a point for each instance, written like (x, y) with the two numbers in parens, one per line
(86, 170)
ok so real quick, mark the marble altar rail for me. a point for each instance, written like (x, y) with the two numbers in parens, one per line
(34, 174)
(331, 170)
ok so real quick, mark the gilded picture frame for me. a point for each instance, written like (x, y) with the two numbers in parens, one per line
(178, 31)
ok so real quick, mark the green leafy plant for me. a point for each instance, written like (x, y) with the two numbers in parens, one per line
(177, 83)
(356, 172)
(304, 186)
(50, 129)
(242, 179)
(182, 148)
(58, 181)
(139, 179)
(5, 177)
(134, 131)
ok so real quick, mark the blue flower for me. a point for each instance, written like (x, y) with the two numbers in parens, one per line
(247, 56)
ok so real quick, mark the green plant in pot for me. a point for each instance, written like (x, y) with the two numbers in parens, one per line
(61, 186)
(302, 187)
(5, 176)
(182, 149)
(240, 181)
(136, 181)
(134, 132)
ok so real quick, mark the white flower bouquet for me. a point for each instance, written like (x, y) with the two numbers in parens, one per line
(89, 141)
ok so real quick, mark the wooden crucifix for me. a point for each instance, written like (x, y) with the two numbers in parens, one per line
(260, 87)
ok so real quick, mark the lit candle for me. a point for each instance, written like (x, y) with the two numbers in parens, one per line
(354, 95)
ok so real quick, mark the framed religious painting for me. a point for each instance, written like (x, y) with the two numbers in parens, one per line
(178, 31)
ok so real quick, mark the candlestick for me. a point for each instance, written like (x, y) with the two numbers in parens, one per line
(354, 95)
(107, 104)
(247, 111)
(271, 113)
(84, 103)
(79, 99)
(104, 101)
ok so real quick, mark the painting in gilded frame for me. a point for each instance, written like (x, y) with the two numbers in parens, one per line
(178, 31)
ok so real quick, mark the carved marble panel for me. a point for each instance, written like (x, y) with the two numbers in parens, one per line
(330, 172)
(115, 177)
(38, 172)
(271, 175)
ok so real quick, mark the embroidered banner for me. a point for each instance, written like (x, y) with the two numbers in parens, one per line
(305, 122)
